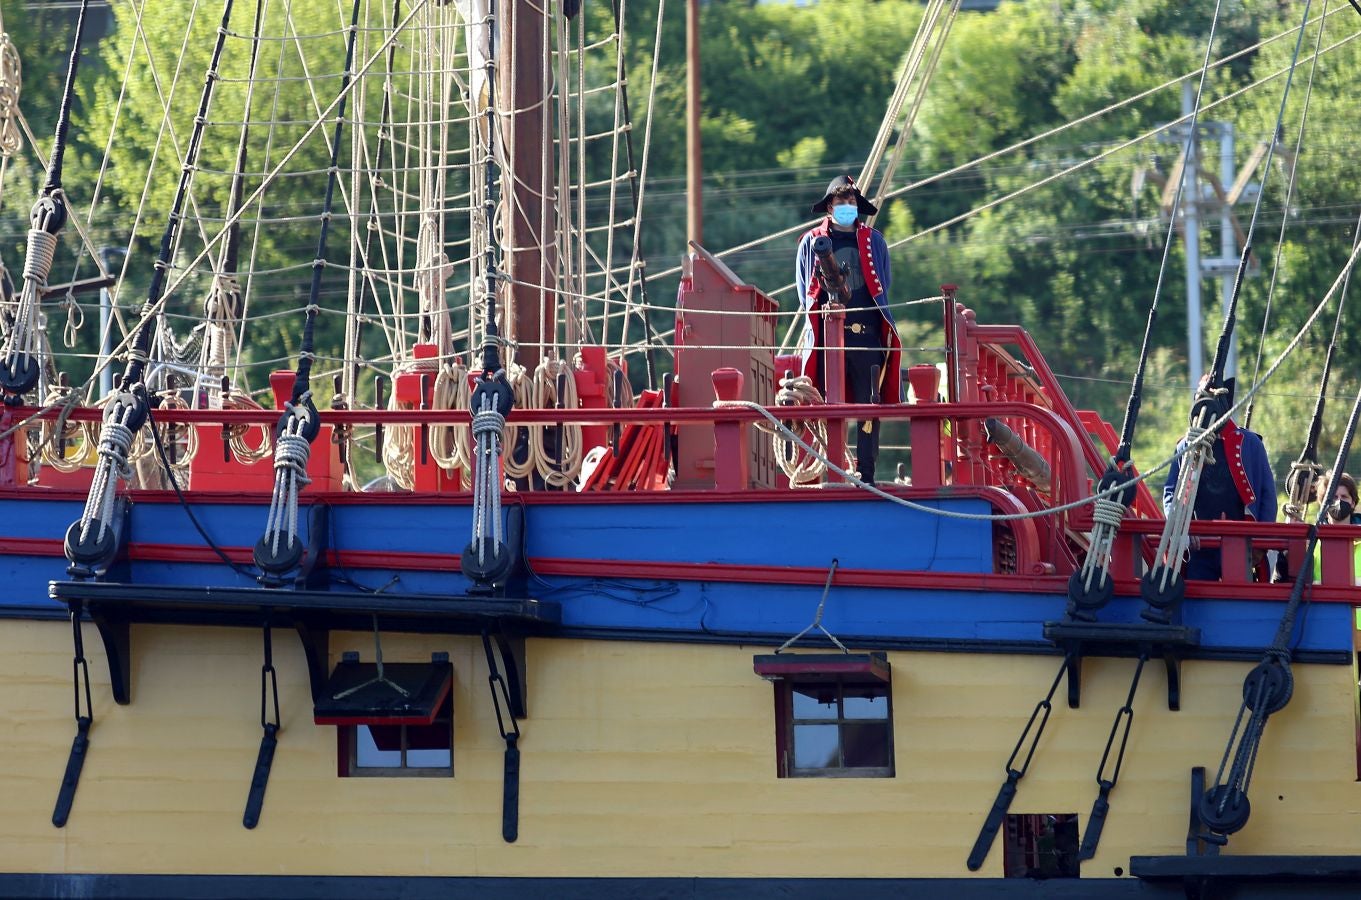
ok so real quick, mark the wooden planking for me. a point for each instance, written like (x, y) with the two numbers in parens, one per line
(638, 759)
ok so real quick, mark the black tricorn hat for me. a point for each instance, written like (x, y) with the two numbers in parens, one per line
(841, 182)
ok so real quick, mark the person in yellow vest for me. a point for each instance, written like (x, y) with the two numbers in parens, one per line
(1342, 510)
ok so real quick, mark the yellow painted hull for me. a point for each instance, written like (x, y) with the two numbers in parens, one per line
(639, 759)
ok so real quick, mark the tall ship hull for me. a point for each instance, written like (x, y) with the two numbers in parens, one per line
(450, 609)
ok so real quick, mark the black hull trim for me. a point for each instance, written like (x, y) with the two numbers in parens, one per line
(878, 642)
(1308, 881)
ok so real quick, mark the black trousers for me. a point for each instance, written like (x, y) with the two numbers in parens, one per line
(861, 387)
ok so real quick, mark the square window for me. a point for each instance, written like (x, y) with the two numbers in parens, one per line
(1041, 846)
(367, 751)
(833, 728)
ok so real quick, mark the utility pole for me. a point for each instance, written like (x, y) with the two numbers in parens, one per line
(1194, 201)
(694, 169)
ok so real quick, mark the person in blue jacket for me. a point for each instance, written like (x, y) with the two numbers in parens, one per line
(1236, 483)
(871, 337)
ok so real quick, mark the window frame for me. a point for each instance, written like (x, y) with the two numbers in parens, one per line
(786, 722)
(347, 749)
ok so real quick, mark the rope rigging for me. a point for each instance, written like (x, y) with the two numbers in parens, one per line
(24, 354)
(487, 559)
(128, 409)
(1299, 484)
(1267, 689)
(280, 549)
(1285, 212)
(1091, 587)
(1163, 585)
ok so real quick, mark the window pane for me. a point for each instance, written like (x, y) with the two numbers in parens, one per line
(814, 701)
(866, 701)
(427, 759)
(367, 753)
(815, 746)
(435, 736)
(865, 745)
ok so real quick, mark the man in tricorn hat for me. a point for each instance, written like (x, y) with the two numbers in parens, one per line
(1236, 483)
(873, 350)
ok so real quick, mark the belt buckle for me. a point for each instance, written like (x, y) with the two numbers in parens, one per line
(856, 328)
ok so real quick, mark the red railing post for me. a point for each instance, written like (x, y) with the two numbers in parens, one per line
(731, 470)
(925, 432)
(834, 377)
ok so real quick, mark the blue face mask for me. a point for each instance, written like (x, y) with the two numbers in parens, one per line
(845, 214)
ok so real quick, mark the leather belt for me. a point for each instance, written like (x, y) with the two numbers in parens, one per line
(857, 328)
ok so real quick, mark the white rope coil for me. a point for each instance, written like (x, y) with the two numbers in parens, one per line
(449, 443)
(11, 86)
(801, 468)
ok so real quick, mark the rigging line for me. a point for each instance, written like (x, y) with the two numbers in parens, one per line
(1268, 688)
(1285, 212)
(1113, 150)
(229, 294)
(1026, 142)
(302, 384)
(165, 100)
(900, 147)
(293, 151)
(1231, 314)
(1299, 482)
(354, 333)
(647, 156)
(1122, 453)
(915, 69)
(637, 261)
(137, 353)
(911, 63)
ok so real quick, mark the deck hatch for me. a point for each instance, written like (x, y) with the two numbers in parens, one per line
(828, 666)
(360, 693)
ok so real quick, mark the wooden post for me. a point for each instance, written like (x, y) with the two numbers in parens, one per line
(520, 54)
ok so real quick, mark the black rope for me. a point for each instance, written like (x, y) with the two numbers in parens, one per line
(232, 246)
(384, 127)
(303, 384)
(141, 341)
(1224, 807)
(1299, 483)
(1101, 807)
(68, 94)
(1210, 409)
(1007, 792)
(1285, 214)
(184, 503)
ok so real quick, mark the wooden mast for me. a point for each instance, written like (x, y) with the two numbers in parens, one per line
(521, 51)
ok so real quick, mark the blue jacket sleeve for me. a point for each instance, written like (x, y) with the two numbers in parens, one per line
(1260, 476)
(1170, 485)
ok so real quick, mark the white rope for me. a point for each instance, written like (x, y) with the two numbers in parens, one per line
(291, 454)
(11, 86)
(488, 423)
(115, 441)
